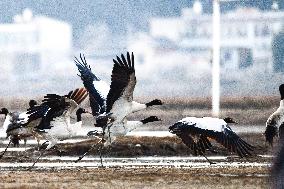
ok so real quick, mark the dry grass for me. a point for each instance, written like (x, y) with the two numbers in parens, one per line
(246, 102)
(246, 110)
(135, 178)
(258, 102)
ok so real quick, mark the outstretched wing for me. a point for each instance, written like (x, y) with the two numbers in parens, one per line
(230, 140)
(189, 142)
(97, 88)
(183, 132)
(225, 137)
(123, 80)
(54, 105)
(35, 114)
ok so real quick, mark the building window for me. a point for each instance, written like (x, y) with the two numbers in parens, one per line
(227, 56)
(262, 30)
(241, 31)
(245, 58)
(265, 30)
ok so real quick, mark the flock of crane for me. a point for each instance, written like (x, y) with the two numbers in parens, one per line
(110, 105)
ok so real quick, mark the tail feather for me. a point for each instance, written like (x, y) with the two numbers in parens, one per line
(78, 95)
(83, 98)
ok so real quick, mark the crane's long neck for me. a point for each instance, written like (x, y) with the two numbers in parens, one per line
(136, 106)
(132, 125)
(281, 104)
(6, 122)
(79, 117)
(5, 114)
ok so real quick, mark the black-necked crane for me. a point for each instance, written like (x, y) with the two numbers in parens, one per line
(17, 119)
(111, 110)
(53, 117)
(274, 123)
(197, 132)
(55, 124)
(116, 100)
(97, 88)
(120, 101)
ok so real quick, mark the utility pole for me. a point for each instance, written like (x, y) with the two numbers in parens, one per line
(216, 59)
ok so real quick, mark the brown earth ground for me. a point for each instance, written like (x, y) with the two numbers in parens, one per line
(135, 178)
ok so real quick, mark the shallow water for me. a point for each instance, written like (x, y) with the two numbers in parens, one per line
(15, 149)
(141, 162)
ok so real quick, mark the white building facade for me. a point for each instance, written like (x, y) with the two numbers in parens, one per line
(34, 49)
(246, 38)
(177, 52)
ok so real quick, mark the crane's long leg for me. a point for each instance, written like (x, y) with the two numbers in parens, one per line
(5, 149)
(100, 149)
(82, 156)
(41, 153)
(38, 144)
(25, 145)
(211, 162)
(102, 143)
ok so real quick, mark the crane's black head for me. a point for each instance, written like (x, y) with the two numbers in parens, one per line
(171, 129)
(80, 111)
(150, 119)
(32, 103)
(4, 111)
(281, 90)
(178, 128)
(154, 102)
(229, 120)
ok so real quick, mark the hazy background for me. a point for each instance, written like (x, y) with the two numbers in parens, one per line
(171, 42)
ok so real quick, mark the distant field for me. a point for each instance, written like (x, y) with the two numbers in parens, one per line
(246, 110)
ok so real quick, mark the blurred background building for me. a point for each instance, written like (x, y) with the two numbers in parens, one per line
(246, 37)
(247, 57)
(173, 47)
(33, 48)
